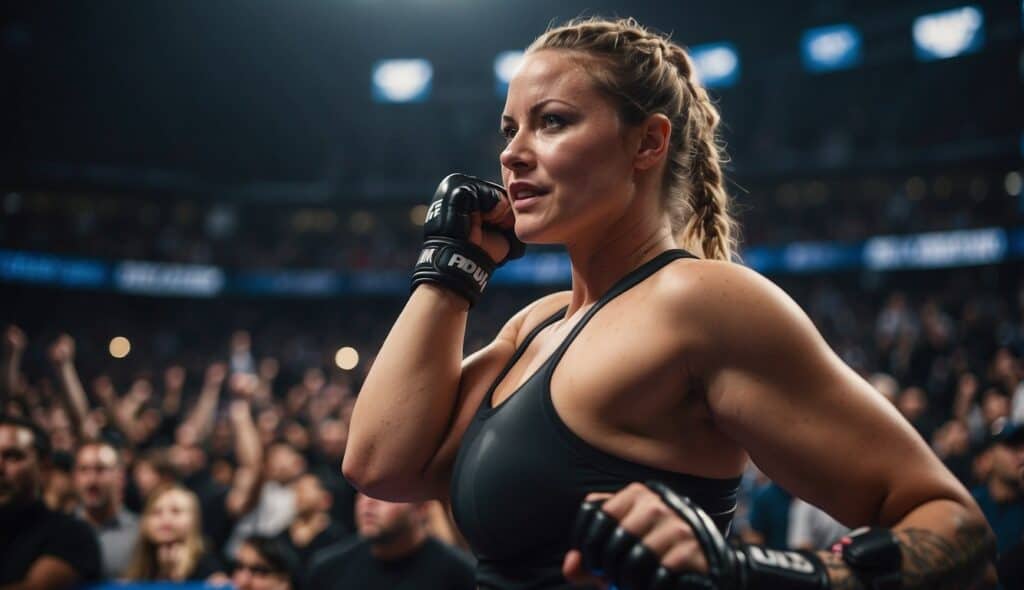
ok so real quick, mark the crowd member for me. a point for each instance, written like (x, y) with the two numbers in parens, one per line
(274, 509)
(328, 452)
(265, 563)
(170, 544)
(811, 527)
(769, 517)
(394, 552)
(313, 527)
(99, 478)
(40, 548)
(1001, 496)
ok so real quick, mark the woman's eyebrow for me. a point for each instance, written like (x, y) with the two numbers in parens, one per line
(537, 106)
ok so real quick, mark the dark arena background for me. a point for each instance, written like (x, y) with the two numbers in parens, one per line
(208, 204)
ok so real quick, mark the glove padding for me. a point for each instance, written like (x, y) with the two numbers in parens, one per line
(611, 551)
(448, 257)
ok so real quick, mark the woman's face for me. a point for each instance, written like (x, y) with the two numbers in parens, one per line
(568, 146)
(170, 519)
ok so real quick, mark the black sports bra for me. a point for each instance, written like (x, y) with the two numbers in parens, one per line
(521, 473)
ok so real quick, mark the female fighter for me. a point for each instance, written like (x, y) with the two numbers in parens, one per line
(649, 384)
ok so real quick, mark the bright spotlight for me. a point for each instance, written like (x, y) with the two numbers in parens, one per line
(505, 66)
(402, 80)
(950, 33)
(346, 358)
(831, 48)
(718, 64)
(120, 347)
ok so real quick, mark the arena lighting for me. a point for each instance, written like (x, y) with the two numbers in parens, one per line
(346, 358)
(1013, 183)
(718, 64)
(120, 347)
(835, 47)
(402, 80)
(505, 66)
(950, 33)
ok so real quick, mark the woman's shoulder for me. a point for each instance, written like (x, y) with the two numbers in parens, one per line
(717, 294)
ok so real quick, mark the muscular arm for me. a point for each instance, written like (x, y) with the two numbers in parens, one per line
(813, 425)
(413, 407)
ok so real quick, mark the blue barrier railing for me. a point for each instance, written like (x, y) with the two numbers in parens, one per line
(881, 253)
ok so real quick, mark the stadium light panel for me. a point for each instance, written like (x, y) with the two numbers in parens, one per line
(505, 66)
(835, 47)
(950, 33)
(402, 80)
(718, 64)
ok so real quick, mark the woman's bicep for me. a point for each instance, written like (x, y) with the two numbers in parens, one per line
(811, 423)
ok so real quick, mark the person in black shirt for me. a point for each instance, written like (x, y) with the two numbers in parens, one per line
(395, 552)
(313, 528)
(40, 548)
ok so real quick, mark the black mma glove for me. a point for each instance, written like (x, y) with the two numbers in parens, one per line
(448, 257)
(609, 550)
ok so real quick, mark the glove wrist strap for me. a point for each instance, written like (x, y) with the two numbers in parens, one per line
(454, 264)
(763, 569)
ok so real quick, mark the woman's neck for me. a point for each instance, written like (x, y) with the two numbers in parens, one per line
(598, 264)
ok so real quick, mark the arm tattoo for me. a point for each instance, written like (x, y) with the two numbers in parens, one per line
(930, 561)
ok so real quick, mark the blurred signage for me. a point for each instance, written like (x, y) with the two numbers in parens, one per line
(936, 250)
(153, 278)
(31, 267)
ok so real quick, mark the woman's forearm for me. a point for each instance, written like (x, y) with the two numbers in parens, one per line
(407, 401)
(945, 546)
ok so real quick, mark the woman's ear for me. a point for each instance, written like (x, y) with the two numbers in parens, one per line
(655, 136)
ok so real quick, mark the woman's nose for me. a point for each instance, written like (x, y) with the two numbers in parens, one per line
(518, 154)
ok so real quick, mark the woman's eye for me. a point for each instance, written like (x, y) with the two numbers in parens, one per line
(508, 133)
(553, 121)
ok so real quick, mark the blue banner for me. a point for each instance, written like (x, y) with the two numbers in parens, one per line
(541, 269)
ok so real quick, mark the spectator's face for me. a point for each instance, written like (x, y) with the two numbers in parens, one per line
(333, 437)
(381, 522)
(170, 519)
(252, 572)
(20, 472)
(310, 495)
(98, 476)
(912, 403)
(1008, 462)
(146, 477)
(284, 464)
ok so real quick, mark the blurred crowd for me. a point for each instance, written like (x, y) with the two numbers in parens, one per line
(261, 236)
(221, 461)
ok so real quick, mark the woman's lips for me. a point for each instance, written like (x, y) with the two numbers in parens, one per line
(526, 202)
